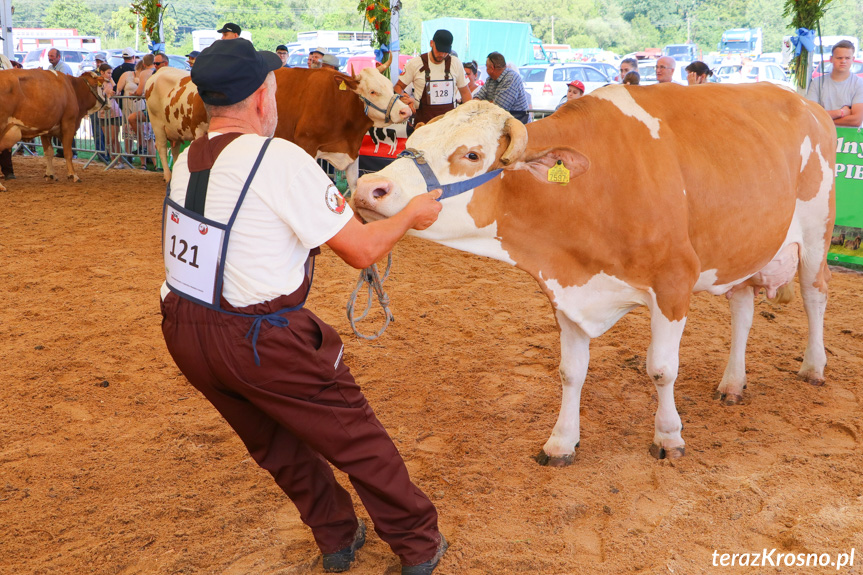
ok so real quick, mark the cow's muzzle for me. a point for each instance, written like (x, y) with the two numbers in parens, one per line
(387, 113)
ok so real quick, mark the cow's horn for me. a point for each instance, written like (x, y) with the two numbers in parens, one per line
(385, 65)
(517, 141)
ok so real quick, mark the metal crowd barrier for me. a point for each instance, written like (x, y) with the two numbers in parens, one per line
(112, 141)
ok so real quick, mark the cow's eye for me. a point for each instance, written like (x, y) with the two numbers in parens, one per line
(373, 93)
(472, 156)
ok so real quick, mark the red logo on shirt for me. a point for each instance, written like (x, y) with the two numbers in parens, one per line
(335, 200)
(175, 217)
(203, 229)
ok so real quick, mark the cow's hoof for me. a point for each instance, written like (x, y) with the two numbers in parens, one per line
(728, 398)
(74, 178)
(50, 178)
(659, 452)
(811, 379)
(556, 461)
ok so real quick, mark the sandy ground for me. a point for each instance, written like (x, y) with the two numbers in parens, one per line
(111, 463)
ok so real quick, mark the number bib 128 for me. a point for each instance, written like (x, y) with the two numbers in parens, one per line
(441, 92)
(192, 250)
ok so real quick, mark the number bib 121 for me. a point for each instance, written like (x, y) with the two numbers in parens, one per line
(192, 248)
(441, 92)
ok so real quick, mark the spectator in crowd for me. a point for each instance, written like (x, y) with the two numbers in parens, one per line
(229, 31)
(632, 78)
(840, 92)
(472, 73)
(282, 53)
(697, 73)
(16, 64)
(191, 57)
(297, 408)
(504, 88)
(665, 69)
(330, 61)
(55, 58)
(436, 66)
(128, 65)
(128, 84)
(110, 116)
(139, 121)
(627, 65)
(315, 57)
(574, 91)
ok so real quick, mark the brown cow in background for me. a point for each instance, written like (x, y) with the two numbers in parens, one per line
(47, 104)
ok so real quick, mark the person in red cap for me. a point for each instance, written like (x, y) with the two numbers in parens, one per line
(244, 215)
(574, 91)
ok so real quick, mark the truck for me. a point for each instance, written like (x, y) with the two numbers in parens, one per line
(682, 52)
(742, 42)
(476, 39)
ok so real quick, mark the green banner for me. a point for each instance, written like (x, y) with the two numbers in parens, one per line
(845, 245)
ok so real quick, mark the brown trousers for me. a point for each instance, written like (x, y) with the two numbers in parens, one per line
(6, 162)
(298, 410)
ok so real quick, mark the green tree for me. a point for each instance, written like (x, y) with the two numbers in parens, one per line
(73, 14)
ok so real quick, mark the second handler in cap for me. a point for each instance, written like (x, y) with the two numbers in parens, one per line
(435, 77)
(243, 216)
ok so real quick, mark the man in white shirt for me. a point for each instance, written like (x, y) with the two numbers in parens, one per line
(840, 93)
(57, 63)
(239, 330)
(434, 76)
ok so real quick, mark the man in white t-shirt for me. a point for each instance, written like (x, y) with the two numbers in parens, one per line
(840, 93)
(271, 367)
(435, 76)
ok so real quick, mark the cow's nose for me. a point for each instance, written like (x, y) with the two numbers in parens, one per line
(405, 113)
(372, 189)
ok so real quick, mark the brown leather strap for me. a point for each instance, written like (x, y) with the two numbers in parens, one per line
(204, 151)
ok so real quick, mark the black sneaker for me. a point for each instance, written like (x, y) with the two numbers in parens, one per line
(341, 560)
(429, 566)
(9, 176)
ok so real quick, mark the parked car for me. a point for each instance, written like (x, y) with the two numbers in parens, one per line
(546, 84)
(88, 64)
(611, 71)
(39, 59)
(765, 72)
(647, 72)
(856, 68)
(19, 57)
(298, 60)
(356, 62)
(771, 57)
(177, 61)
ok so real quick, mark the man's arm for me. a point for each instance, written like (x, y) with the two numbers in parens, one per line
(851, 117)
(362, 245)
(399, 89)
(465, 94)
(142, 82)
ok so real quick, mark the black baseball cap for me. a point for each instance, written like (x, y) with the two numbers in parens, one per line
(443, 41)
(281, 47)
(230, 27)
(228, 72)
(193, 54)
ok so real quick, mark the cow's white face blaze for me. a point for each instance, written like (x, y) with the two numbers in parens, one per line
(457, 146)
(376, 88)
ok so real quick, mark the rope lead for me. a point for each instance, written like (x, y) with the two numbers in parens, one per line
(371, 276)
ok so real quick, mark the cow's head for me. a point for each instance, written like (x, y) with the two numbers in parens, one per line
(94, 83)
(382, 105)
(473, 139)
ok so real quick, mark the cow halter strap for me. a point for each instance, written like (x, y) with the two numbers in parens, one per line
(387, 113)
(447, 190)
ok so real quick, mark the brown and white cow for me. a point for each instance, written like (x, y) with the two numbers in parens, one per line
(663, 200)
(324, 112)
(47, 104)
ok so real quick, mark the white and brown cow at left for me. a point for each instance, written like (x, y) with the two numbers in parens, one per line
(326, 113)
(662, 201)
(46, 104)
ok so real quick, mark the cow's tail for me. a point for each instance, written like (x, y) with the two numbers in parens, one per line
(783, 295)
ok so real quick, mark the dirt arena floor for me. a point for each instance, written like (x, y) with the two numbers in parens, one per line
(111, 463)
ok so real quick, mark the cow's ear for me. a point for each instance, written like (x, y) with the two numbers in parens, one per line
(539, 162)
(345, 82)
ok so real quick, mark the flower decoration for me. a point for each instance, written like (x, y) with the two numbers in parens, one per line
(151, 13)
(806, 14)
(377, 14)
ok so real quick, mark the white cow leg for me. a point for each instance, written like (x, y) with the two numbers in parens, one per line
(730, 390)
(559, 450)
(48, 150)
(815, 303)
(663, 358)
(352, 173)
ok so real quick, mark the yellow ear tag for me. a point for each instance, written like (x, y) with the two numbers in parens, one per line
(342, 86)
(558, 173)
